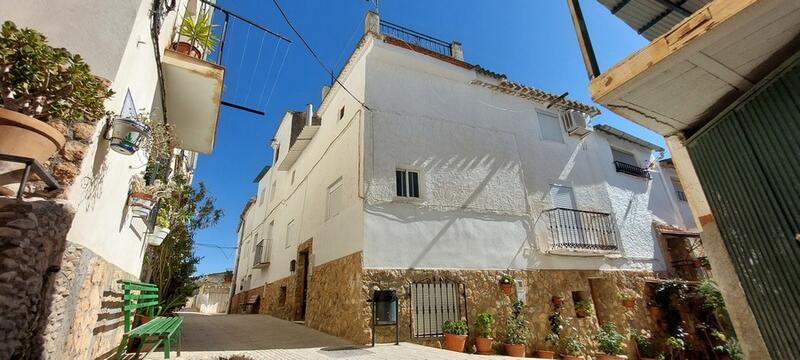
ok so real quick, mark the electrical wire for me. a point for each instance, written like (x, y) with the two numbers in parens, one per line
(277, 76)
(258, 62)
(269, 72)
(314, 54)
(241, 62)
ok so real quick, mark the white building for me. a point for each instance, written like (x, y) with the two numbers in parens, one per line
(126, 43)
(433, 171)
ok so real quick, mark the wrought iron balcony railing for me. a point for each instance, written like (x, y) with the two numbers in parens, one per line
(572, 229)
(632, 170)
(415, 38)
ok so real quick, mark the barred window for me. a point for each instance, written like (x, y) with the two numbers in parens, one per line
(433, 303)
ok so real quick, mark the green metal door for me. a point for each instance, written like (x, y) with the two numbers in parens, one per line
(747, 162)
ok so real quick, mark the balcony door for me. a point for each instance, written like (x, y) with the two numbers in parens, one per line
(567, 222)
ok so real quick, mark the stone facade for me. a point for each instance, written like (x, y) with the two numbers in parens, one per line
(278, 302)
(238, 301)
(337, 303)
(58, 300)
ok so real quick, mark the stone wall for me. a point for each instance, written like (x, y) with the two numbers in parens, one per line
(241, 298)
(484, 294)
(32, 238)
(271, 300)
(337, 303)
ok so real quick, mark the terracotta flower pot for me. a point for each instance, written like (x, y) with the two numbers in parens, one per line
(570, 357)
(601, 356)
(484, 345)
(581, 313)
(508, 289)
(655, 311)
(629, 303)
(22, 135)
(187, 48)
(455, 342)
(515, 350)
(545, 354)
(557, 301)
(723, 357)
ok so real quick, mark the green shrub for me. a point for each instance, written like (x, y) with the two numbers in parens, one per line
(484, 324)
(45, 82)
(712, 297)
(517, 327)
(609, 340)
(570, 345)
(455, 327)
(506, 279)
(584, 306)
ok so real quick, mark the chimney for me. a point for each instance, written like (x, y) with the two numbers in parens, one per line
(325, 90)
(456, 51)
(309, 114)
(372, 23)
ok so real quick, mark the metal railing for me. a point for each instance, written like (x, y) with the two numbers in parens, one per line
(433, 303)
(572, 229)
(257, 259)
(415, 38)
(632, 170)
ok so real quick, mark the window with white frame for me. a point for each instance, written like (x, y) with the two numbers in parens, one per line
(550, 126)
(562, 196)
(335, 200)
(289, 233)
(676, 185)
(407, 183)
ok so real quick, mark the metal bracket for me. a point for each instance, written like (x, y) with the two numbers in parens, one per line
(37, 168)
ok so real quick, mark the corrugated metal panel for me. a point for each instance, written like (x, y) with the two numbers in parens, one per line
(747, 162)
(638, 14)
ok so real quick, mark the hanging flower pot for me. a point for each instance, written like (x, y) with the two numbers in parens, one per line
(141, 204)
(157, 236)
(557, 301)
(507, 284)
(629, 303)
(127, 135)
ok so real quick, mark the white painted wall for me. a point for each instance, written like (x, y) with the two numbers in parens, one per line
(665, 205)
(114, 39)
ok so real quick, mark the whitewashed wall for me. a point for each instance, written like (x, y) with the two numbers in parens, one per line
(114, 39)
(486, 175)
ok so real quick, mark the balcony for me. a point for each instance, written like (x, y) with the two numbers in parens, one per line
(631, 170)
(577, 231)
(261, 256)
(193, 90)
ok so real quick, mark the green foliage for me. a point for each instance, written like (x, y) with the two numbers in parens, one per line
(585, 306)
(556, 325)
(484, 324)
(570, 345)
(45, 82)
(506, 279)
(666, 292)
(732, 348)
(627, 294)
(455, 327)
(712, 297)
(644, 342)
(199, 32)
(609, 340)
(171, 265)
(517, 327)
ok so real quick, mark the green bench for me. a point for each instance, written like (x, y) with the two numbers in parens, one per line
(157, 331)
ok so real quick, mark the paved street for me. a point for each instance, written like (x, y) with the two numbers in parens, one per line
(265, 337)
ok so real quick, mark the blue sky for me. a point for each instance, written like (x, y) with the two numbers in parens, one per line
(531, 41)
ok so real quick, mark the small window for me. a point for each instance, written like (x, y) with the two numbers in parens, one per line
(407, 182)
(434, 303)
(550, 127)
(624, 157)
(335, 200)
(676, 184)
(289, 233)
(282, 296)
(341, 113)
(272, 190)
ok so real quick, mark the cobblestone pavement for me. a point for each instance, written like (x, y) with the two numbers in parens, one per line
(264, 337)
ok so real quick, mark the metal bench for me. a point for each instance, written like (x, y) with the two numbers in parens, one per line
(157, 331)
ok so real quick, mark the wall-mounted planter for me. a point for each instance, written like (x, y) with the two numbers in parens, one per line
(141, 204)
(508, 289)
(629, 303)
(22, 135)
(127, 135)
(157, 236)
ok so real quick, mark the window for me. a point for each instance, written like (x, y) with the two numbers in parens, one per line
(624, 157)
(550, 127)
(676, 184)
(272, 190)
(335, 201)
(341, 113)
(407, 182)
(292, 182)
(562, 196)
(282, 296)
(289, 233)
(434, 303)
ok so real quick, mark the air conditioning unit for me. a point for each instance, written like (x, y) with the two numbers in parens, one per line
(576, 122)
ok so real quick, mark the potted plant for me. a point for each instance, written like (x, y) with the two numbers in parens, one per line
(507, 284)
(675, 345)
(570, 347)
(142, 197)
(644, 345)
(40, 83)
(557, 300)
(583, 308)
(552, 338)
(729, 350)
(198, 33)
(517, 331)
(609, 342)
(628, 297)
(161, 230)
(484, 326)
(455, 334)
